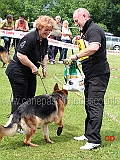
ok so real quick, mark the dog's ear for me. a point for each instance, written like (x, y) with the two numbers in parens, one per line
(65, 91)
(56, 87)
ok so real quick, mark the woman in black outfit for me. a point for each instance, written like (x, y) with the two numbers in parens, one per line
(22, 70)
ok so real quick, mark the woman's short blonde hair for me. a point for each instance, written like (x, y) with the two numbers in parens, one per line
(44, 21)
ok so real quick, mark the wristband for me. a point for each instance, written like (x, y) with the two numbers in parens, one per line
(43, 68)
(77, 57)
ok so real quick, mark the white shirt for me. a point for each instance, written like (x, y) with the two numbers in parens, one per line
(65, 31)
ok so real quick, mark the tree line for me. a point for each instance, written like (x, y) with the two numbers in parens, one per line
(106, 13)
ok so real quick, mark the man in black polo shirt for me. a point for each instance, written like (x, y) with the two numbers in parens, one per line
(97, 73)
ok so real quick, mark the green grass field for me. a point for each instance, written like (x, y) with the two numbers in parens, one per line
(64, 147)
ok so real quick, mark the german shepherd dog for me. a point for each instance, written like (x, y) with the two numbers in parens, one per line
(4, 57)
(42, 110)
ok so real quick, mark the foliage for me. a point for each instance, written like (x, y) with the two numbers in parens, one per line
(104, 27)
(106, 12)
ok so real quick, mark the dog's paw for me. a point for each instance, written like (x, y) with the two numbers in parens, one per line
(59, 131)
(51, 142)
(48, 140)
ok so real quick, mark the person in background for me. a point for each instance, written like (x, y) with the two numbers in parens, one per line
(0, 19)
(0, 22)
(97, 72)
(66, 37)
(7, 24)
(56, 34)
(20, 25)
(30, 53)
(34, 23)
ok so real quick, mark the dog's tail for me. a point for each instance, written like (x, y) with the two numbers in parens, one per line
(11, 128)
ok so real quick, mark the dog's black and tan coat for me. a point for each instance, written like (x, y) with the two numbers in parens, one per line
(42, 110)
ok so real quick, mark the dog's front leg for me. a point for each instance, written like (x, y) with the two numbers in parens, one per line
(60, 128)
(59, 123)
(46, 133)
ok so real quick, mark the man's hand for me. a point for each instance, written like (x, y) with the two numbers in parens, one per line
(73, 57)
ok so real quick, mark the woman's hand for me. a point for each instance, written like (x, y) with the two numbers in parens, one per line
(25, 61)
(44, 72)
(44, 62)
(34, 69)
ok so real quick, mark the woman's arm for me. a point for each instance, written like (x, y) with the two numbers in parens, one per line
(25, 61)
(44, 65)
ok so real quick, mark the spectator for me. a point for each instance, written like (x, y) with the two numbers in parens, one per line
(30, 52)
(66, 37)
(0, 22)
(20, 25)
(56, 34)
(0, 19)
(7, 24)
(34, 23)
(97, 72)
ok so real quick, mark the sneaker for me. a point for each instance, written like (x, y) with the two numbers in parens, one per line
(61, 62)
(21, 131)
(51, 62)
(54, 62)
(89, 146)
(81, 138)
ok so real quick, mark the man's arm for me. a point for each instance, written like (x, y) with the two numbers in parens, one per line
(16, 26)
(2, 24)
(91, 49)
(26, 28)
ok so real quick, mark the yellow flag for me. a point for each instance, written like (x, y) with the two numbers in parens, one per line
(82, 46)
